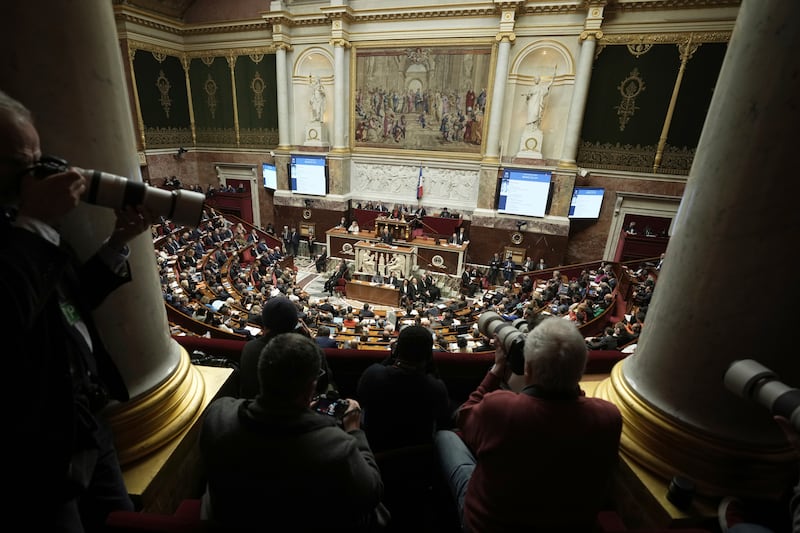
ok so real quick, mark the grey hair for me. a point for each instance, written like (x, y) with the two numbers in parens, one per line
(556, 353)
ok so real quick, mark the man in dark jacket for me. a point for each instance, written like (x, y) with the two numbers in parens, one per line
(279, 315)
(63, 466)
(274, 460)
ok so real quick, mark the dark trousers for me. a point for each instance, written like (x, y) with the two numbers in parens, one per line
(106, 492)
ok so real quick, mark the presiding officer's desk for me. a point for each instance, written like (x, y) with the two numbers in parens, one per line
(373, 293)
(426, 252)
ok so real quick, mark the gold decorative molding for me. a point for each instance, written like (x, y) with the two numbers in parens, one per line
(218, 52)
(666, 446)
(665, 38)
(143, 425)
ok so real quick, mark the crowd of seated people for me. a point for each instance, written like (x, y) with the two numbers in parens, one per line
(228, 269)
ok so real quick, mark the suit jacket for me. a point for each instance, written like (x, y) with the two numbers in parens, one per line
(53, 410)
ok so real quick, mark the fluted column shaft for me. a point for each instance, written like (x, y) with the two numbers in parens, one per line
(339, 98)
(577, 106)
(282, 75)
(498, 98)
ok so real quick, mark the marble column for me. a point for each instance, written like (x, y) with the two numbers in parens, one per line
(498, 97)
(724, 292)
(339, 94)
(282, 78)
(70, 75)
(577, 106)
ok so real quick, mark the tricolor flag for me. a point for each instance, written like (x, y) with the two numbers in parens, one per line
(419, 184)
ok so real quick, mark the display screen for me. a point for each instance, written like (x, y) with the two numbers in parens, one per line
(270, 176)
(523, 192)
(308, 175)
(586, 202)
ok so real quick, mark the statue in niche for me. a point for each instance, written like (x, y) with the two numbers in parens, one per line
(535, 99)
(317, 100)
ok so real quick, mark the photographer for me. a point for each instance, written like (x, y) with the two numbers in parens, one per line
(550, 434)
(65, 474)
(403, 399)
(273, 460)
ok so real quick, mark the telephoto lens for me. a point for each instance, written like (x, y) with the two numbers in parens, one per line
(183, 207)
(755, 382)
(509, 336)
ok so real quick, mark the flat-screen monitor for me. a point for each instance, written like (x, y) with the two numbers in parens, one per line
(523, 192)
(586, 202)
(270, 176)
(308, 174)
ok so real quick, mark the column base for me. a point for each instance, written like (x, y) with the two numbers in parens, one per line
(665, 446)
(160, 481)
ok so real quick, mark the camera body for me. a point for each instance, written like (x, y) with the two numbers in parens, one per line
(108, 190)
(753, 381)
(510, 334)
(330, 404)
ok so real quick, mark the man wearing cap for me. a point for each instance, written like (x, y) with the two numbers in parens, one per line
(279, 315)
(403, 399)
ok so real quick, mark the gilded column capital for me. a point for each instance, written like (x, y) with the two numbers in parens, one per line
(595, 34)
(344, 43)
(286, 47)
(509, 36)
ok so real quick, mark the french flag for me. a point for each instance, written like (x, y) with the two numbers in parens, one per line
(419, 184)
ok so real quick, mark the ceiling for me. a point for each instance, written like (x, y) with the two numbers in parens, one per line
(168, 8)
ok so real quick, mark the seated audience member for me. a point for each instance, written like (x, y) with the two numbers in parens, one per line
(606, 341)
(273, 460)
(402, 398)
(323, 337)
(278, 315)
(563, 444)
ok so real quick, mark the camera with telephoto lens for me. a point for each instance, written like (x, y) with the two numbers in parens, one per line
(511, 335)
(753, 381)
(330, 404)
(183, 207)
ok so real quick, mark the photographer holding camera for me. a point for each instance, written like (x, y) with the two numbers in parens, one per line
(274, 460)
(515, 462)
(65, 473)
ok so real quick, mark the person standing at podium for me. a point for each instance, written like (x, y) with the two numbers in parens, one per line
(386, 236)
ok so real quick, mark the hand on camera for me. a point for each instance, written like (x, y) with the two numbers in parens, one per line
(500, 368)
(48, 199)
(131, 221)
(352, 417)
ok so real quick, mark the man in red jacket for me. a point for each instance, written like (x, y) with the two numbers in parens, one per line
(538, 460)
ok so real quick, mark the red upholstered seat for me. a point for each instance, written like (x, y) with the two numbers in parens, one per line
(186, 519)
